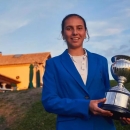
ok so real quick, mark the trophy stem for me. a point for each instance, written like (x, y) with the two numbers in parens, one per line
(121, 85)
(121, 81)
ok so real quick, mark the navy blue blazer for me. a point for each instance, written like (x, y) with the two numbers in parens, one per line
(65, 94)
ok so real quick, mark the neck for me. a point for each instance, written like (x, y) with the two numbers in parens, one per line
(76, 52)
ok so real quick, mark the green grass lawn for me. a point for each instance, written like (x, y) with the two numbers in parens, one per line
(38, 119)
(35, 117)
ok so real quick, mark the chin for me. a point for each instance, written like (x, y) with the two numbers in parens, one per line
(75, 44)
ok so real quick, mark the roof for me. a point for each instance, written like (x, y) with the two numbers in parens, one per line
(6, 79)
(24, 58)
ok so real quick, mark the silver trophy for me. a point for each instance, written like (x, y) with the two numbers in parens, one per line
(118, 97)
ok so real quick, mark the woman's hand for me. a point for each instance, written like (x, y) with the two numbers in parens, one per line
(125, 120)
(93, 106)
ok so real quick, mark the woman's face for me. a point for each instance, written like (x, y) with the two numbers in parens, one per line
(74, 32)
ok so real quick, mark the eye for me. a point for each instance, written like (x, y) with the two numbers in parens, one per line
(80, 28)
(68, 28)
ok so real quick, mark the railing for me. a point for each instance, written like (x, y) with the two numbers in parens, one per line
(5, 89)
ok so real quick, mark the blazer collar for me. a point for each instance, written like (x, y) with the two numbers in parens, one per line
(70, 67)
(92, 66)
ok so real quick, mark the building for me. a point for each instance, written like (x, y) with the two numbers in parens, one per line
(22, 71)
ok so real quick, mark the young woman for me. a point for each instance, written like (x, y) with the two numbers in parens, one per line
(75, 82)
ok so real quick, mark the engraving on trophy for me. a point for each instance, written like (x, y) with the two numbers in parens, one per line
(118, 97)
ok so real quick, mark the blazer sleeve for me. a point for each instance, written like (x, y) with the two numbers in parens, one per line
(61, 106)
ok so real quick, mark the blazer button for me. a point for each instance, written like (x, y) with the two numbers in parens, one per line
(86, 97)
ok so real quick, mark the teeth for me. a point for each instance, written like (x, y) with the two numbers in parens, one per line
(75, 38)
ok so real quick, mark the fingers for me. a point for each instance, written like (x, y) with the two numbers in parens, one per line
(99, 111)
(93, 106)
(101, 100)
(104, 112)
(125, 120)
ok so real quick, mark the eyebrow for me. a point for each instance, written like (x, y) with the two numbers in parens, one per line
(72, 26)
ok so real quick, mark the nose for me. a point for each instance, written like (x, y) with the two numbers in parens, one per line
(75, 31)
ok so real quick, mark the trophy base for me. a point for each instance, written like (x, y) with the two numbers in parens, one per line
(117, 111)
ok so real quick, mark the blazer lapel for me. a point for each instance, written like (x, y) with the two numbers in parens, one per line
(70, 67)
(92, 65)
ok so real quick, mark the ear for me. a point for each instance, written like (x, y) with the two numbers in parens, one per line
(85, 35)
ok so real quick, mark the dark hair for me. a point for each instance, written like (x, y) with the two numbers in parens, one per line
(71, 15)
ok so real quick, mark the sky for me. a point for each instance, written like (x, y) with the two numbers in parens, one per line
(33, 26)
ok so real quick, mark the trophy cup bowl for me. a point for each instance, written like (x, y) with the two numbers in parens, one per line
(118, 97)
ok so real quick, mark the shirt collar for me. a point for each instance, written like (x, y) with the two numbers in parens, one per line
(84, 56)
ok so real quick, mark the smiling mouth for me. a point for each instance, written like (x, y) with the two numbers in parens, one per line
(75, 39)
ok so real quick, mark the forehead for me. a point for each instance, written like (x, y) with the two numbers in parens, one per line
(73, 21)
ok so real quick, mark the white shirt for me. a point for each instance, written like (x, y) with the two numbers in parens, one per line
(81, 64)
